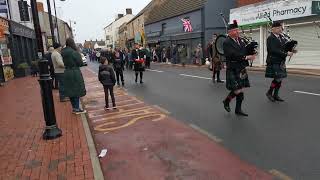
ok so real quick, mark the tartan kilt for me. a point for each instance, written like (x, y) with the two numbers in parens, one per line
(236, 81)
(276, 71)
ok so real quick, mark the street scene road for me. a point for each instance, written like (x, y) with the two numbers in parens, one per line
(275, 135)
(159, 90)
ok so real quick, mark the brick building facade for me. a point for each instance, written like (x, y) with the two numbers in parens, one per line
(247, 2)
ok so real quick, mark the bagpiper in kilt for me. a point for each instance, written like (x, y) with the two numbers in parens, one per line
(236, 73)
(276, 61)
(138, 57)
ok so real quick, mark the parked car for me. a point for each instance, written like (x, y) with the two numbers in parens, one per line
(84, 59)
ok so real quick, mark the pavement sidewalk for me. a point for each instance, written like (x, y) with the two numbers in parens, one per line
(23, 153)
(145, 143)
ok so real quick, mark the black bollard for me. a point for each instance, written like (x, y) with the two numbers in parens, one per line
(52, 131)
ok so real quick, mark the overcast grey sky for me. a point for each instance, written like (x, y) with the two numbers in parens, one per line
(92, 16)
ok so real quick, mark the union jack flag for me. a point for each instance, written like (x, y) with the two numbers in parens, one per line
(187, 25)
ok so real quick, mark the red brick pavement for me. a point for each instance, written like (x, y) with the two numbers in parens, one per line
(23, 153)
(145, 143)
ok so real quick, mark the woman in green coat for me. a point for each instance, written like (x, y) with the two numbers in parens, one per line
(73, 80)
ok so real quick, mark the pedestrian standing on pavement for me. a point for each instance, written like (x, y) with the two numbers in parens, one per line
(58, 65)
(198, 54)
(51, 68)
(168, 54)
(174, 54)
(276, 61)
(98, 55)
(130, 60)
(237, 61)
(158, 53)
(119, 66)
(73, 81)
(183, 55)
(139, 62)
(148, 57)
(164, 55)
(107, 78)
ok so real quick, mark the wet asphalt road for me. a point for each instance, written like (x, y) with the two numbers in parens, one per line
(280, 136)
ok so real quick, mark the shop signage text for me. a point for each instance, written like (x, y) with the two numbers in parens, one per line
(279, 10)
(21, 30)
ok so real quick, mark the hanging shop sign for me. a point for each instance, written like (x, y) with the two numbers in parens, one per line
(276, 10)
(24, 11)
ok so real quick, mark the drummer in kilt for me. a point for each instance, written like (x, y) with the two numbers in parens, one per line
(236, 73)
(138, 57)
(217, 64)
(276, 61)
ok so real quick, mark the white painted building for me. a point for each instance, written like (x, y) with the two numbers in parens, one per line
(15, 14)
(301, 19)
(111, 31)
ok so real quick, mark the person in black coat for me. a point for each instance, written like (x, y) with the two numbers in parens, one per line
(51, 68)
(118, 66)
(236, 73)
(138, 57)
(276, 61)
(107, 78)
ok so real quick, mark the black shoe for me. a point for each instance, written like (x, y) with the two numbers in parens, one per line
(122, 83)
(227, 106)
(141, 82)
(277, 98)
(241, 113)
(270, 97)
(219, 81)
(136, 81)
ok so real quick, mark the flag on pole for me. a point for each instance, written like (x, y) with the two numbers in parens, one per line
(187, 25)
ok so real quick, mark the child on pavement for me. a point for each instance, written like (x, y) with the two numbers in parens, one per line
(107, 78)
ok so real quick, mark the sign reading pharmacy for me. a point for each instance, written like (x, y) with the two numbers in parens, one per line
(276, 10)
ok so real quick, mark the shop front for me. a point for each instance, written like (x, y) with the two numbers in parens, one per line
(6, 71)
(301, 22)
(22, 45)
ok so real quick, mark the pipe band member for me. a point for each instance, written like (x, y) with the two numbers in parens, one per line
(138, 57)
(276, 61)
(236, 73)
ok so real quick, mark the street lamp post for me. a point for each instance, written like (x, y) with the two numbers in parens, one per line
(52, 131)
(57, 23)
(50, 21)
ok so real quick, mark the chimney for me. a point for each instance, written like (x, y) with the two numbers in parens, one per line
(128, 11)
(120, 16)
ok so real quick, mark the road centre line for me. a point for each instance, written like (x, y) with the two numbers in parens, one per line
(199, 77)
(153, 70)
(308, 93)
